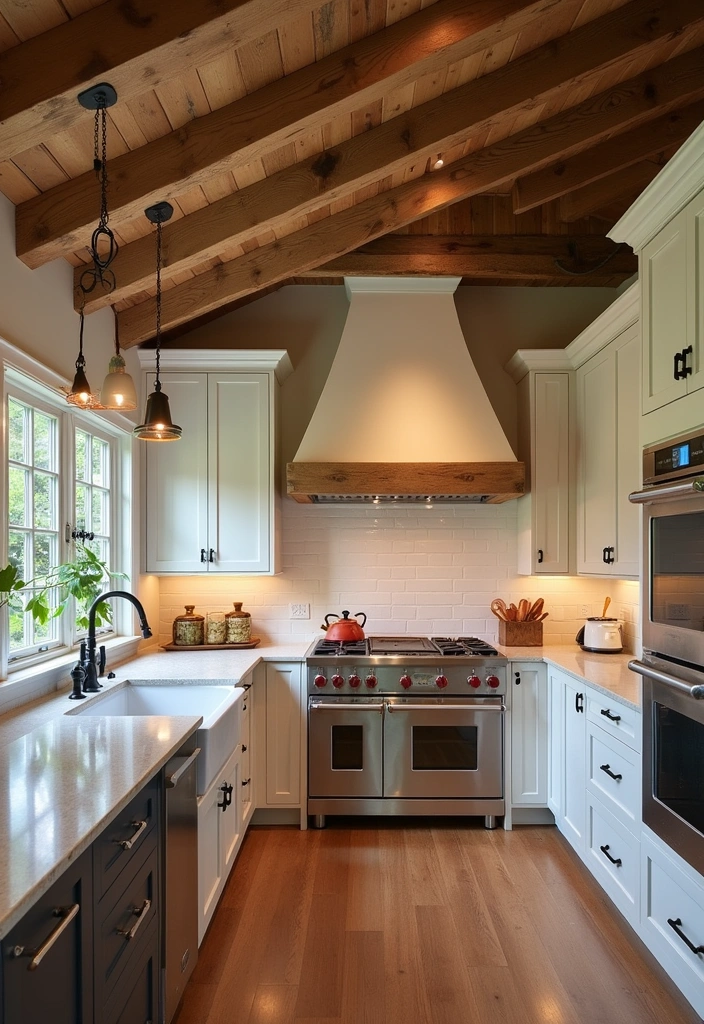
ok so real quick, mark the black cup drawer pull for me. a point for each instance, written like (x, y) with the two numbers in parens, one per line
(607, 714)
(607, 768)
(614, 860)
(676, 926)
(226, 790)
(127, 844)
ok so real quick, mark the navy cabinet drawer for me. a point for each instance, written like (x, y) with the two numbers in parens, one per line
(122, 925)
(124, 838)
(135, 1000)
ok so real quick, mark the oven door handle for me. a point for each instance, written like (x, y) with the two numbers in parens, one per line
(393, 708)
(668, 492)
(696, 692)
(332, 706)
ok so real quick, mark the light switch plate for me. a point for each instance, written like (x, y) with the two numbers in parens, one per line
(300, 610)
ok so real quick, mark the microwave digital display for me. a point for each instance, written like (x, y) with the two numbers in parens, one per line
(679, 456)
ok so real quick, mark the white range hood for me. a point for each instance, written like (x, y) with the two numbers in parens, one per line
(403, 415)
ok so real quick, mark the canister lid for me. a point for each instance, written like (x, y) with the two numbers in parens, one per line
(238, 613)
(189, 616)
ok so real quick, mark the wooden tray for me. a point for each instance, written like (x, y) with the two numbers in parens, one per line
(254, 642)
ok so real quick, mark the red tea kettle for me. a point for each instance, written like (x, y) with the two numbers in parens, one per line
(344, 628)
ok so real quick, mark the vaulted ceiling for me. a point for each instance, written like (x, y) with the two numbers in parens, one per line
(302, 142)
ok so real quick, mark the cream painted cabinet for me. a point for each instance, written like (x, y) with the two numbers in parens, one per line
(544, 439)
(529, 734)
(556, 744)
(219, 834)
(671, 265)
(284, 717)
(567, 762)
(608, 458)
(210, 498)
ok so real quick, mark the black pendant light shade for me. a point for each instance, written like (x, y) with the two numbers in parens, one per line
(80, 393)
(158, 425)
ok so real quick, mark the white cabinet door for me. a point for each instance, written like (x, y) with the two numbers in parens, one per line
(695, 292)
(596, 459)
(284, 717)
(628, 452)
(574, 817)
(556, 742)
(176, 526)
(550, 473)
(529, 740)
(664, 294)
(240, 500)
(219, 836)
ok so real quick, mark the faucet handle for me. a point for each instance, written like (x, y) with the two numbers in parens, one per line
(101, 660)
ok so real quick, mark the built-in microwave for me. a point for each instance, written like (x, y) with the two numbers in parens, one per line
(673, 548)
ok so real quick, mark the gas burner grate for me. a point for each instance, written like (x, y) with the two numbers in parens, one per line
(340, 647)
(476, 646)
(449, 647)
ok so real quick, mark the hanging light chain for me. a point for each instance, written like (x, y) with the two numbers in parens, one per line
(100, 272)
(157, 385)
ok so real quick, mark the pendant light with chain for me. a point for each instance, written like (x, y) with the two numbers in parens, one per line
(157, 424)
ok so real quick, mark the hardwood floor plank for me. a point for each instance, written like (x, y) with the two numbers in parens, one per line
(364, 906)
(446, 982)
(320, 988)
(274, 1003)
(427, 886)
(363, 988)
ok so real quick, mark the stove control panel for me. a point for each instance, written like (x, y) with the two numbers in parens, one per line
(442, 678)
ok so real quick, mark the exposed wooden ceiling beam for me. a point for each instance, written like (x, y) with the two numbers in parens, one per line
(61, 219)
(435, 126)
(627, 104)
(134, 46)
(599, 194)
(608, 157)
(520, 257)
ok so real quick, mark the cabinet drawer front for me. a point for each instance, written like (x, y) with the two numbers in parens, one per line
(130, 915)
(614, 859)
(615, 718)
(132, 826)
(135, 999)
(608, 758)
(669, 896)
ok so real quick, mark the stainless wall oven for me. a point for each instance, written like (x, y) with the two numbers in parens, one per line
(672, 665)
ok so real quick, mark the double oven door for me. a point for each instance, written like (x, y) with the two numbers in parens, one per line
(406, 747)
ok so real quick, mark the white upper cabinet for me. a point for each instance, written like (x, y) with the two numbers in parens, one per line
(608, 458)
(210, 498)
(665, 226)
(545, 530)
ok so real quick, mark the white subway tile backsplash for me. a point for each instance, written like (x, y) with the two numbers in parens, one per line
(425, 571)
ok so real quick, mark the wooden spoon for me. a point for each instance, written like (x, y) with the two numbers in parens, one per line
(523, 607)
(512, 612)
(498, 607)
(536, 609)
(607, 602)
(543, 616)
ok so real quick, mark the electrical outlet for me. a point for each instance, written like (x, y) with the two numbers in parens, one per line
(584, 611)
(300, 610)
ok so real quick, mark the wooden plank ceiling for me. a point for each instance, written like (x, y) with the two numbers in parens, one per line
(495, 140)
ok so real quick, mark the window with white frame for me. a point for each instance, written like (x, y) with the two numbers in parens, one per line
(62, 466)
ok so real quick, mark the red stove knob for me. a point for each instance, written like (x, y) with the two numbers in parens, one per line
(338, 681)
(320, 681)
(441, 682)
(493, 681)
(371, 682)
(354, 681)
(405, 682)
(475, 681)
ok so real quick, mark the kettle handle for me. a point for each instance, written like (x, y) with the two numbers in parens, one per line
(579, 639)
(330, 615)
(364, 618)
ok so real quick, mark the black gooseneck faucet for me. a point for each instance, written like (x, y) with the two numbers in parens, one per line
(91, 680)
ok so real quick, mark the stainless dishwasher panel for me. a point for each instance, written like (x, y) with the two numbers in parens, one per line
(180, 896)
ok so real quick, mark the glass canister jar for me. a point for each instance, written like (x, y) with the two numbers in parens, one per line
(188, 629)
(239, 625)
(215, 628)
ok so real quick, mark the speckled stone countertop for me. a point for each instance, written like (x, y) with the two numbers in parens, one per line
(63, 778)
(61, 784)
(606, 672)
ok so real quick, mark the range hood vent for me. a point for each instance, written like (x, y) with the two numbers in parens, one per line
(403, 417)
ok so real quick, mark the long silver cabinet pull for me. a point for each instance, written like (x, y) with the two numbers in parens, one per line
(127, 844)
(141, 913)
(697, 692)
(445, 707)
(348, 707)
(173, 780)
(671, 492)
(67, 915)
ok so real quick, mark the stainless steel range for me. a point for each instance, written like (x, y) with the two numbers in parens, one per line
(406, 725)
